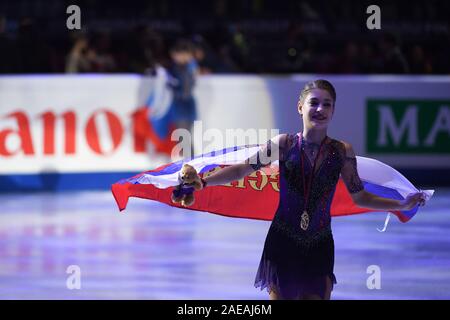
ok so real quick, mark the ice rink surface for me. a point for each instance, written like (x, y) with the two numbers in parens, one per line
(153, 251)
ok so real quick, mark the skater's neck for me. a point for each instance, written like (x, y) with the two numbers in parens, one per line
(312, 135)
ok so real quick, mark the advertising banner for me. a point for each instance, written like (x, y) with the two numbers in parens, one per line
(75, 132)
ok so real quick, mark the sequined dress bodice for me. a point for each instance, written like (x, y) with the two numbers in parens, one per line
(323, 185)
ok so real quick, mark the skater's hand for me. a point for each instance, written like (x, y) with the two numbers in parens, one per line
(412, 200)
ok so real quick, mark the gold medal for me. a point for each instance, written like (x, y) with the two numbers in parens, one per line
(305, 220)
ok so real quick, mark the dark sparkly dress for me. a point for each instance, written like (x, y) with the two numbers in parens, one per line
(294, 261)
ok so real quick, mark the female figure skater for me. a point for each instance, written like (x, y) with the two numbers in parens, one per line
(298, 257)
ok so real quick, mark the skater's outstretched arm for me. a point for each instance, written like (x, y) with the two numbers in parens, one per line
(229, 174)
(363, 198)
(268, 153)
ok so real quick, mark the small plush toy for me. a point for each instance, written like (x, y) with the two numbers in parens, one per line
(189, 182)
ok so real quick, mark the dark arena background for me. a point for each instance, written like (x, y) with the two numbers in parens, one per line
(85, 88)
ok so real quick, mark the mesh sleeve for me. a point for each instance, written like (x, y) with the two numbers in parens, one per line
(263, 157)
(349, 174)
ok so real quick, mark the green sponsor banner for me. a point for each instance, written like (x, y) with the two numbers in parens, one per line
(408, 126)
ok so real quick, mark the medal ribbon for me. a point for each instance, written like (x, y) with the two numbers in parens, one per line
(307, 188)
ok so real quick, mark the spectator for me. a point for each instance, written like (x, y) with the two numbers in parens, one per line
(420, 64)
(393, 60)
(367, 58)
(101, 54)
(349, 60)
(247, 36)
(146, 49)
(80, 57)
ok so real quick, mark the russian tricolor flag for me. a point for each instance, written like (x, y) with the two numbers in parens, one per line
(154, 121)
(257, 195)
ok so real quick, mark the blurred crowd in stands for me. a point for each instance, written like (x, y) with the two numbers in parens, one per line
(225, 36)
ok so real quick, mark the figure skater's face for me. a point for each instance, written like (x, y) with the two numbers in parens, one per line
(317, 108)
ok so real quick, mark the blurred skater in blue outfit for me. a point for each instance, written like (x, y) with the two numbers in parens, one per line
(183, 70)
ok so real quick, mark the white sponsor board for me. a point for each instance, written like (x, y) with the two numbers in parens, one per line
(350, 122)
(69, 124)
